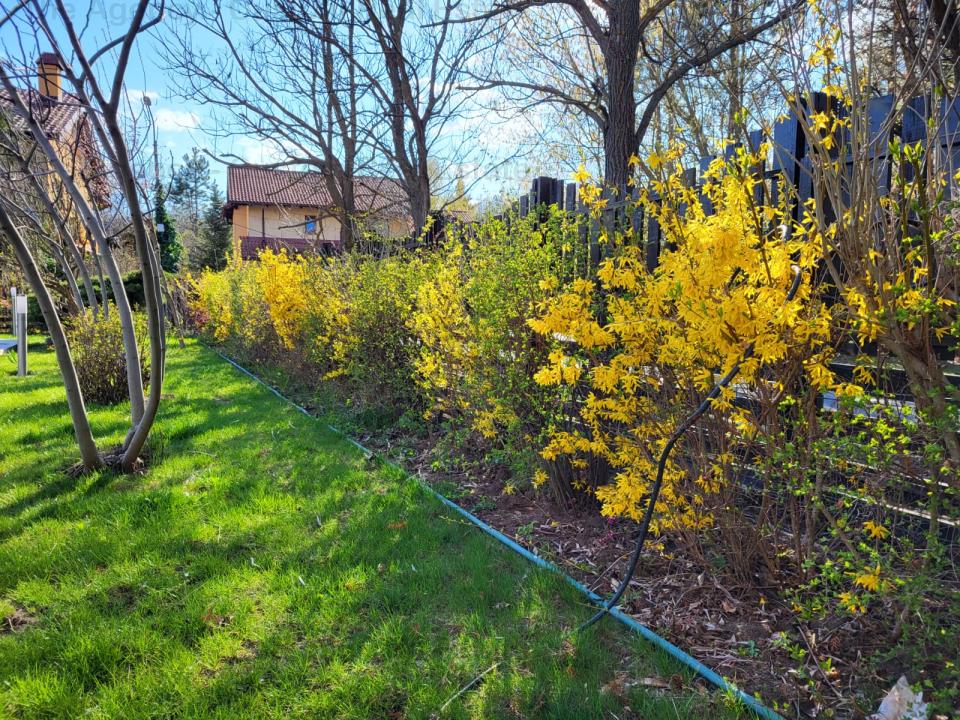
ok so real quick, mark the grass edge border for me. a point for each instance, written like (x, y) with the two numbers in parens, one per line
(678, 654)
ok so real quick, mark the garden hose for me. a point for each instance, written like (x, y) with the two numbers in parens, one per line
(662, 464)
(663, 644)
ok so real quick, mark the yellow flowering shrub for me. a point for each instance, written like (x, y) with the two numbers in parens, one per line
(344, 317)
(477, 354)
(281, 280)
(571, 376)
(376, 349)
(645, 348)
(212, 303)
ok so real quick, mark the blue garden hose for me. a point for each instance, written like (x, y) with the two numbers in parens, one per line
(607, 608)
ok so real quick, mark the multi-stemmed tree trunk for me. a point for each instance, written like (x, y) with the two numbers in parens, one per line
(97, 100)
(89, 454)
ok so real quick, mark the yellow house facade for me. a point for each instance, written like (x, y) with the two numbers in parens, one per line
(292, 209)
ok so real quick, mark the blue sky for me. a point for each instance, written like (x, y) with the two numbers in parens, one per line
(181, 123)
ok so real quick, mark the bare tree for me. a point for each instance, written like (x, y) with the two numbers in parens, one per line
(292, 86)
(422, 57)
(671, 37)
(341, 86)
(71, 195)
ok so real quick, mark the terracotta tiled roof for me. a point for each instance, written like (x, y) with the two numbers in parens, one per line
(252, 185)
(56, 116)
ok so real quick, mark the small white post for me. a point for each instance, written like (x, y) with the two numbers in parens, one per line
(13, 311)
(21, 314)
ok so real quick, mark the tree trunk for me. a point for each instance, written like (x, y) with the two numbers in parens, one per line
(89, 455)
(619, 134)
(419, 196)
(347, 208)
(66, 237)
(69, 276)
(150, 272)
(130, 349)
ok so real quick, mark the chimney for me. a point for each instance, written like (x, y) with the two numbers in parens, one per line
(49, 79)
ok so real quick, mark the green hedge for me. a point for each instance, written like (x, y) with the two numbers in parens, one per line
(132, 283)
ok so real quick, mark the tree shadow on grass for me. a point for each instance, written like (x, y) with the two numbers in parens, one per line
(385, 607)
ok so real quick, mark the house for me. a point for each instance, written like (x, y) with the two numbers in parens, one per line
(293, 209)
(66, 123)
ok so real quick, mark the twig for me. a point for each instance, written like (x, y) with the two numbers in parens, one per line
(469, 685)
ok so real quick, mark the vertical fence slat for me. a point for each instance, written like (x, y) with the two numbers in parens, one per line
(652, 254)
(571, 197)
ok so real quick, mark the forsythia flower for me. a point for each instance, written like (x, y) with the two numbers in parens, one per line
(852, 603)
(539, 478)
(876, 531)
(869, 579)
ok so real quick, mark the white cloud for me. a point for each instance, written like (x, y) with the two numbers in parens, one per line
(136, 96)
(175, 120)
(258, 152)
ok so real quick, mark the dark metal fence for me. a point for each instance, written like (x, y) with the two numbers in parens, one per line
(788, 166)
(788, 171)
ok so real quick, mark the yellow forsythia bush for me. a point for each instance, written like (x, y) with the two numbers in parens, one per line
(644, 348)
(342, 317)
(477, 354)
(281, 280)
(441, 332)
(520, 352)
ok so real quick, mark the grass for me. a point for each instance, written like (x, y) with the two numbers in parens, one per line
(264, 568)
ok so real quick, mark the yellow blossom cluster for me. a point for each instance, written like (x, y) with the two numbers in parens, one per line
(643, 348)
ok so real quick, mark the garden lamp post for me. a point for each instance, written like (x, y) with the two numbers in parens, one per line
(13, 311)
(21, 325)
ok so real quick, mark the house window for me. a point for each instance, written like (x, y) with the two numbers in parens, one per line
(310, 224)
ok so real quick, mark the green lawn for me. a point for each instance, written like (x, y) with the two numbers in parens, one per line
(263, 568)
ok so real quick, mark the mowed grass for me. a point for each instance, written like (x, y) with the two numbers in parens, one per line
(262, 567)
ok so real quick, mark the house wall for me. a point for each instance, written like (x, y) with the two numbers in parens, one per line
(274, 222)
(397, 227)
(288, 223)
(241, 226)
(76, 164)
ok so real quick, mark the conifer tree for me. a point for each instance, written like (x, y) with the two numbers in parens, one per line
(170, 247)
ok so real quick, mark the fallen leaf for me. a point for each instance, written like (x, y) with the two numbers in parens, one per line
(656, 682)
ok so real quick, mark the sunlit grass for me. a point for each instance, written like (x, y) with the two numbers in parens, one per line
(263, 568)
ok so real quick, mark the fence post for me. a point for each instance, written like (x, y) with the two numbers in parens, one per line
(21, 323)
(788, 150)
(636, 217)
(653, 240)
(571, 199)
